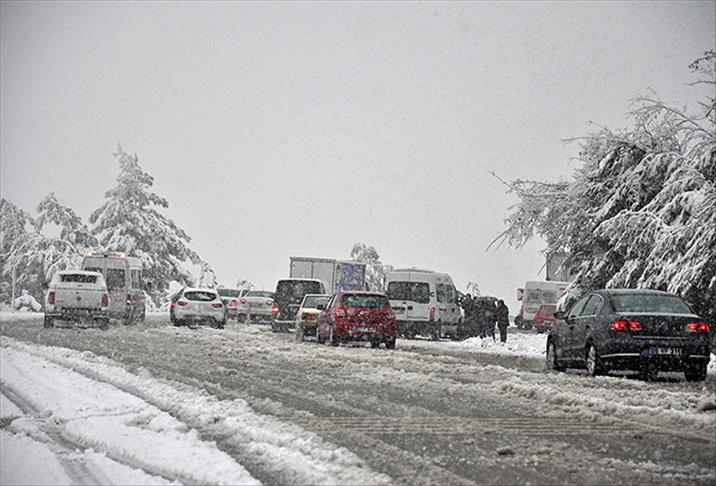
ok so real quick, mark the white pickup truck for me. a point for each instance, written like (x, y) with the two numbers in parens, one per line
(76, 295)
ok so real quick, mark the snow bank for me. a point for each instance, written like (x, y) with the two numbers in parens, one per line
(99, 416)
(20, 316)
(294, 453)
(26, 461)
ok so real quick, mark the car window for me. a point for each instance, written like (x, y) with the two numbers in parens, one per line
(136, 279)
(115, 278)
(260, 293)
(362, 300)
(650, 303)
(414, 291)
(441, 293)
(228, 292)
(200, 296)
(578, 306)
(591, 307)
(312, 301)
(78, 278)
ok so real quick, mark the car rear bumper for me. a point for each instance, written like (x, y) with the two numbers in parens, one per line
(199, 317)
(669, 353)
(78, 314)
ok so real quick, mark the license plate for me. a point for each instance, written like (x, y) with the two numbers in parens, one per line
(253, 306)
(667, 351)
(364, 329)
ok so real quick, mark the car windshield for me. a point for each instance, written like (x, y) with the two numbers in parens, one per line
(228, 292)
(200, 295)
(362, 300)
(79, 278)
(264, 294)
(668, 304)
(313, 301)
(414, 291)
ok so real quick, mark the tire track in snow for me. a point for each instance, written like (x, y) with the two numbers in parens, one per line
(67, 453)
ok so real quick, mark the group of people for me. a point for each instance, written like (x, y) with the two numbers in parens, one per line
(482, 314)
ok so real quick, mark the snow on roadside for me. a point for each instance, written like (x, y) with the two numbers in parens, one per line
(6, 316)
(26, 461)
(297, 455)
(526, 344)
(98, 416)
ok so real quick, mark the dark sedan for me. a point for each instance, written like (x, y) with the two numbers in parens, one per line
(642, 330)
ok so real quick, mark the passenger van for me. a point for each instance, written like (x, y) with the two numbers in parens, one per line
(424, 302)
(123, 275)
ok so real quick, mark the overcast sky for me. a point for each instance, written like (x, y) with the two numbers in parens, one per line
(280, 129)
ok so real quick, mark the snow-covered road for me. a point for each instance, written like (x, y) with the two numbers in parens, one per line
(157, 404)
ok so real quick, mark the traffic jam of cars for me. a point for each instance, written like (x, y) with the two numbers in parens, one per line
(327, 301)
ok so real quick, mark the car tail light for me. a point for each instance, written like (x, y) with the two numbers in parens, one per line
(703, 327)
(623, 326)
(51, 298)
(217, 305)
(232, 303)
(242, 301)
(182, 303)
(340, 312)
(275, 309)
(105, 300)
(432, 314)
(174, 304)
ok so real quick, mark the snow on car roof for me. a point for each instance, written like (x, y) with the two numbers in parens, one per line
(77, 272)
(199, 289)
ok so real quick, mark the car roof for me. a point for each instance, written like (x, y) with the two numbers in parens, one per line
(200, 289)
(317, 295)
(360, 292)
(294, 279)
(633, 292)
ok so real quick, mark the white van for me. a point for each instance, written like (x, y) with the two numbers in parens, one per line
(123, 275)
(535, 294)
(424, 302)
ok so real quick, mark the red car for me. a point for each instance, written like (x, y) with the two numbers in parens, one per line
(544, 318)
(357, 316)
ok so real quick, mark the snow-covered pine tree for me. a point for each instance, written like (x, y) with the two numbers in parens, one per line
(13, 232)
(375, 271)
(36, 257)
(640, 211)
(129, 221)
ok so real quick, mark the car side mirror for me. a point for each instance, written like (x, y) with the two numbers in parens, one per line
(560, 315)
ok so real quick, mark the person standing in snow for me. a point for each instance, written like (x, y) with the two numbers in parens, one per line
(503, 320)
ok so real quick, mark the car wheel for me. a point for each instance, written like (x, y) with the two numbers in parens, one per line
(695, 371)
(104, 324)
(390, 343)
(519, 321)
(552, 360)
(299, 333)
(374, 343)
(49, 322)
(274, 326)
(594, 363)
(319, 338)
(332, 338)
(222, 324)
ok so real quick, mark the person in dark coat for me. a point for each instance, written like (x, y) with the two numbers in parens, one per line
(503, 320)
